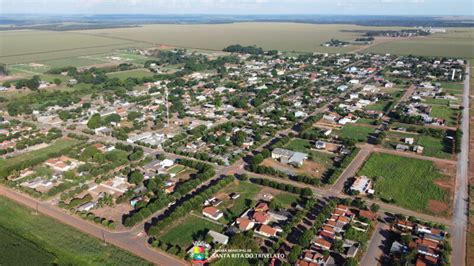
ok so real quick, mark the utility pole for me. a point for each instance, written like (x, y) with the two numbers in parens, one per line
(103, 237)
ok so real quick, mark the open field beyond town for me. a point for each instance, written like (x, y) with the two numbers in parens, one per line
(43, 46)
(45, 241)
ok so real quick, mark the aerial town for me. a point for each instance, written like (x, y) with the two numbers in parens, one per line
(317, 159)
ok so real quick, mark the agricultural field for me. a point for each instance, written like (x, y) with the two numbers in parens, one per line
(45, 241)
(457, 42)
(357, 132)
(188, 229)
(20, 249)
(27, 46)
(396, 177)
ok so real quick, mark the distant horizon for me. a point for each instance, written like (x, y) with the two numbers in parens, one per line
(242, 7)
(231, 14)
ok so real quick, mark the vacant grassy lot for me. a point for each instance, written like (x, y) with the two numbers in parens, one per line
(433, 147)
(52, 242)
(60, 145)
(379, 106)
(285, 199)
(357, 132)
(21, 251)
(134, 73)
(408, 182)
(446, 113)
(187, 230)
(452, 87)
(234, 208)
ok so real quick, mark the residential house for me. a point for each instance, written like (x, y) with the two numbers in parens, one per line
(212, 212)
(267, 231)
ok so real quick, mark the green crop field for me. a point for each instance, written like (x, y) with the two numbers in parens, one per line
(22, 251)
(39, 240)
(357, 132)
(87, 47)
(185, 231)
(401, 176)
(29, 46)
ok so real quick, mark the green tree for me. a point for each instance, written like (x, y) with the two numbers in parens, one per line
(136, 177)
(94, 122)
(294, 254)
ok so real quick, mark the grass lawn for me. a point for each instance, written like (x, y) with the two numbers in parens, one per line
(52, 242)
(452, 87)
(357, 132)
(408, 181)
(176, 169)
(367, 121)
(186, 230)
(446, 113)
(134, 73)
(303, 145)
(433, 147)
(234, 208)
(285, 199)
(379, 106)
(444, 102)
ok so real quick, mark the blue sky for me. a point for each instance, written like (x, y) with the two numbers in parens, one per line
(343, 7)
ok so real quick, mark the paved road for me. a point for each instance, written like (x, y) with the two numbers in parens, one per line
(375, 248)
(129, 241)
(461, 197)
